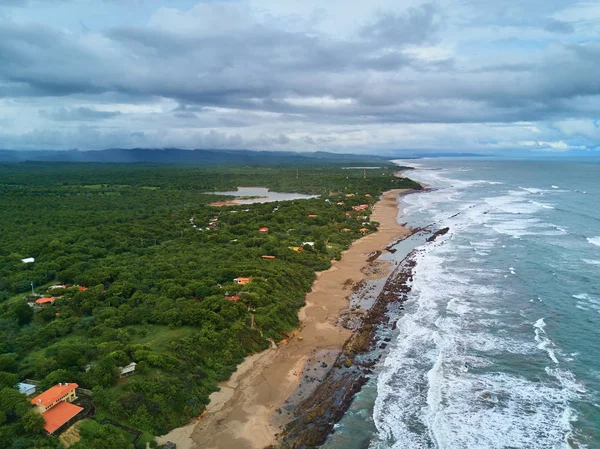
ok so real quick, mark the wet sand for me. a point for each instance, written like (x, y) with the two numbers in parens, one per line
(241, 414)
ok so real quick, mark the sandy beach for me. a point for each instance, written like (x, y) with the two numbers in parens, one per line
(241, 414)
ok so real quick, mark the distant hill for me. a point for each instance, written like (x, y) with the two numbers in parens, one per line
(179, 156)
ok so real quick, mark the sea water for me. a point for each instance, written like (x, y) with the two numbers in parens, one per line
(498, 346)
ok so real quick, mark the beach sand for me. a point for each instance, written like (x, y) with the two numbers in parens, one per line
(241, 414)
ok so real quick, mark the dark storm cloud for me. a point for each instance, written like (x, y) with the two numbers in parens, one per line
(416, 26)
(78, 114)
(557, 26)
(370, 77)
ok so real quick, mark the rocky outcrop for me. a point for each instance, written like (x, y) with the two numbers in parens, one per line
(315, 416)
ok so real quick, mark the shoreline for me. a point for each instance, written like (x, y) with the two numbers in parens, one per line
(243, 412)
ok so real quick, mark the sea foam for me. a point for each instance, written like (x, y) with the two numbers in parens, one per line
(594, 240)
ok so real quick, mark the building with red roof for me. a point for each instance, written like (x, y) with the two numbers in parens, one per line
(234, 298)
(263, 229)
(55, 405)
(59, 415)
(242, 281)
(44, 301)
(54, 395)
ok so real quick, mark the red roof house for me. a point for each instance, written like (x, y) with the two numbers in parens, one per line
(242, 281)
(59, 415)
(263, 230)
(44, 301)
(268, 257)
(57, 393)
(233, 298)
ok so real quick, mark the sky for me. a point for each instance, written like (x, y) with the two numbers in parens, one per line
(377, 76)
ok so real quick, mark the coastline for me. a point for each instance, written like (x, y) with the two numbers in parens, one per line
(242, 413)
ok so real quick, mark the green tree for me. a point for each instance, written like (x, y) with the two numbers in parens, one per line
(33, 422)
(23, 313)
(7, 380)
(106, 437)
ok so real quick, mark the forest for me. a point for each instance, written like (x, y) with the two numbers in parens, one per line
(148, 269)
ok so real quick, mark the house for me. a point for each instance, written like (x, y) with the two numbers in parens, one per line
(60, 415)
(57, 286)
(26, 389)
(361, 207)
(364, 230)
(53, 396)
(81, 289)
(346, 230)
(169, 445)
(263, 230)
(347, 214)
(242, 281)
(55, 406)
(296, 248)
(308, 243)
(341, 203)
(45, 301)
(312, 216)
(127, 370)
(234, 298)
(350, 195)
(368, 195)
(28, 260)
(268, 257)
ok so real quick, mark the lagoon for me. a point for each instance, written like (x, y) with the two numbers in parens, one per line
(263, 195)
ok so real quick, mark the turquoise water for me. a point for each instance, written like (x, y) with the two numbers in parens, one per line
(498, 345)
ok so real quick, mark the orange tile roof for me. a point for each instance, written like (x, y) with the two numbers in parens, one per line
(263, 230)
(232, 298)
(268, 257)
(58, 415)
(45, 301)
(242, 281)
(53, 394)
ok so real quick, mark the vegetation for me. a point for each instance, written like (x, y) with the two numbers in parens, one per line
(156, 278)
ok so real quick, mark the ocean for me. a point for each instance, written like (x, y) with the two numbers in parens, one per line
(498, 344)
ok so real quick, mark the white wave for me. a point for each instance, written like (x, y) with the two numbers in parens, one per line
(582, 296)
(592, 261)
(555, 187)
(544, 342)
(587, 302)
(594, 240)
(534, 190)
(428, 392)
(542, 205)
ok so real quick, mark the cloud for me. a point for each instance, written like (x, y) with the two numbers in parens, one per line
(417, 25)
(557, 26)
(290, 78)
(81, 114)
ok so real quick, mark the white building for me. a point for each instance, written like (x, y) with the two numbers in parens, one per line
(26, 389)
(127, 370)
(28, 260)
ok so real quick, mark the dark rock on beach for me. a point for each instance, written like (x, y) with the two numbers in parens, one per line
(314, 417)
